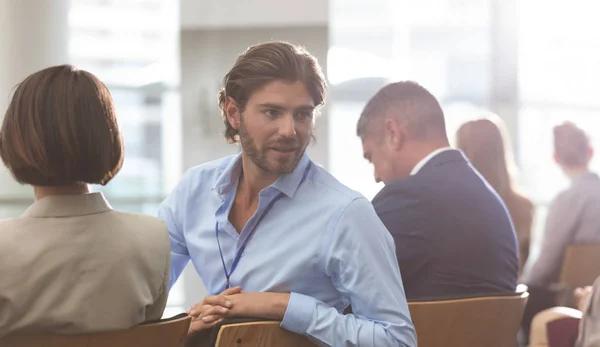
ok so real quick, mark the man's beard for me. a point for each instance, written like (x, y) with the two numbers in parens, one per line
(260, 158)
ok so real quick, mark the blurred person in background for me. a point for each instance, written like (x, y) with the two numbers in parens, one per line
(566, 322)
(589, 328)
(71, 264)
(453, 234)
(486, 143)
(572, 217)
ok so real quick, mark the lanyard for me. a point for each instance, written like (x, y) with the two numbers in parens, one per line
(239, 253)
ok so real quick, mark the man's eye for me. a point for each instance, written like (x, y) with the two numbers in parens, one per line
(304, 114)
(271, 113)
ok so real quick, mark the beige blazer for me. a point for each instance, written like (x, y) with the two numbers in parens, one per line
(72, 265)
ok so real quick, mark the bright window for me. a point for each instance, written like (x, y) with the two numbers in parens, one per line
(444, 45)
(133, 47)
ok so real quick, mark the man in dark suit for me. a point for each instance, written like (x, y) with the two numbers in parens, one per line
(453, 234)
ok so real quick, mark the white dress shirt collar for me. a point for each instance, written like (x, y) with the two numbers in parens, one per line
(425, 160)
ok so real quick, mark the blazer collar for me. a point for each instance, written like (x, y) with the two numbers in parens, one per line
(444, 157)
(68, 206)
(427, 158)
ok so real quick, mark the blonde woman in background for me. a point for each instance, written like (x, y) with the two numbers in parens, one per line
(485, 142)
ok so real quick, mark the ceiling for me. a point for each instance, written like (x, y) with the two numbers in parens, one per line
(218, 14)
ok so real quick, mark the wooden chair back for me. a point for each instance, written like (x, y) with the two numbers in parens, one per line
(581, 265)
(165, 333)
(490, 321)
(259, 334)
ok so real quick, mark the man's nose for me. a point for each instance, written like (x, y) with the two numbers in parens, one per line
(377, 179)
(287, 127)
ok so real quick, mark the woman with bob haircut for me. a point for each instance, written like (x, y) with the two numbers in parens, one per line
(71, 264)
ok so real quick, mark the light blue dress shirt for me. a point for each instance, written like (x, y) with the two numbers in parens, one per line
(320, 241)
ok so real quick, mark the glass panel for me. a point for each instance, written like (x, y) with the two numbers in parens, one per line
(559, 51)
(133, 47)
(444, 45)
(556, 84)
(347, 159)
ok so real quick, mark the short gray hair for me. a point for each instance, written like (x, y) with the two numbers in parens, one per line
(414, 107)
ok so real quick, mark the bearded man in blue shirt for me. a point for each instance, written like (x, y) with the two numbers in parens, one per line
(274, 236)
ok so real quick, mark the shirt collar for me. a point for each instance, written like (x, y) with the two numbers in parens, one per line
(230, 175)
(287, 183)
(425, 160)
(584, 176)
(68, 206)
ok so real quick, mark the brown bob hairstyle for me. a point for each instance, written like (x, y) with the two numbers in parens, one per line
(60, 128)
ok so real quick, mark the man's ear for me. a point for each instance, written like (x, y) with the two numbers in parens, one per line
(394, 133)
(232, 111)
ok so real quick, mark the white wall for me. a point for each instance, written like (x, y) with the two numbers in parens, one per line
(33, 36)
(253, 13)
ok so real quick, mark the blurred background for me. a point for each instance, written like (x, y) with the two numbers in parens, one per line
(534, 63)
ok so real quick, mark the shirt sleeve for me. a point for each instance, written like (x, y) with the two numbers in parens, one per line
(171, 211)
(563, 216)
(360, 259)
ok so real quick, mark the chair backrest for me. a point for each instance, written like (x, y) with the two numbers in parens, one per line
(259, 334)
(562, 332)
(165, 333)
(581, 265)
(490, 321)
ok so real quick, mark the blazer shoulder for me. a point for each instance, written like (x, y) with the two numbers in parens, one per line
(569, 197)
(402, 186)
(150, 229)
(143, 221)
(8, 228)
(12, 225)
(6, 224)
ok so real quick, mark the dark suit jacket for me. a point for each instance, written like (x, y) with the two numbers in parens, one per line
(453, 234)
